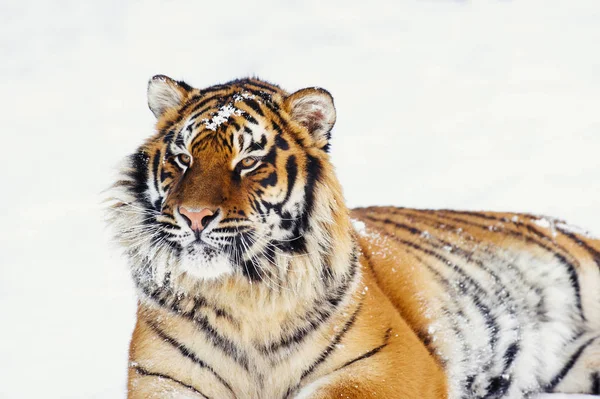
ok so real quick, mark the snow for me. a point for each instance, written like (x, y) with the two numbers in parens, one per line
(543, 222)
(569, 228)
(548, 224)
(221, 117)
(552, 224)
(360, 227)
(441, 104)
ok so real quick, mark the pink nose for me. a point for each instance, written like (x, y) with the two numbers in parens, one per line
(197, 220)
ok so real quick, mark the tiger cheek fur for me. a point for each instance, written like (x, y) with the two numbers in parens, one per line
(253, 281)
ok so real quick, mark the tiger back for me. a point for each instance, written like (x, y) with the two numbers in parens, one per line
(510, 303)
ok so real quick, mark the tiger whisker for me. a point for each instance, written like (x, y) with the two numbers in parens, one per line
(240, 260)
(259, 268)
(267, 242)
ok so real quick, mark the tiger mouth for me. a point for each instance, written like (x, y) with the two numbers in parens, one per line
(200, 248)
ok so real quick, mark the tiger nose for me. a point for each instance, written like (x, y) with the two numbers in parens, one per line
(197, 220)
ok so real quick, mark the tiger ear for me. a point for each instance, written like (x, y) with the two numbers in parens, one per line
(165, 93)
(313, 108)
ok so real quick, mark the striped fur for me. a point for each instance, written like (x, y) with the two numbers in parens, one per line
(282, 296)
(511, 301)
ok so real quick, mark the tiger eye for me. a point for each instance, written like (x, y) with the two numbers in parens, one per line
(184, 159)
(248, 162)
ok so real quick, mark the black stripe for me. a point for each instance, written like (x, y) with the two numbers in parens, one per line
(139, 173)
(332, 345)
(146, 373)
(256, 146)
(212, 89)
(169, 136)
(570, 267)
(328, 350)
(161, 295)
(291, 169)
(272, 106)
(254, 106)
(184, 85)
(459, 332)
(270, 180)
(527, 226)
(226, 345)
(169, 223)
(502, 291)
(186, 352)
(313, 175)
(192, 101)
(431, 221)
(268, 103)
(195, 116)
(470, 213)
(281, 143)
(197, 105)
(200, 302)
(235, 127)
(594, 253)
(568, 366)
(164, 297)
(230, 220)
(249, 118)
(595, 383)
(277, 129)
(367, 256)
(499, 385)
(164, 175)
(422, 335)
(198, 142)
(485, 310)
(262, 85)
(471, 286)
(370, 353)
(316, 317)
(156, 177)
(179, 141)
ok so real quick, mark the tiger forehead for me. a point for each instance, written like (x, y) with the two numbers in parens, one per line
(230, 141)
(240, 115)
(229, 128)
(220, 100)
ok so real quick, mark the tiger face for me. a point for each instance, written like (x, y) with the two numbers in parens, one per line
(229, 183)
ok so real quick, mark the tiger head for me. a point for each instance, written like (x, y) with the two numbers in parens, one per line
(235, 183)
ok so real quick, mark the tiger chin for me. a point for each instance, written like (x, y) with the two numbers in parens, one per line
(255, 281)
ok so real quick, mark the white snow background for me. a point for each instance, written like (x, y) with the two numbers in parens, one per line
(456, 104)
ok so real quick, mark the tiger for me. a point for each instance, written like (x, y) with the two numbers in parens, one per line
(255, 280)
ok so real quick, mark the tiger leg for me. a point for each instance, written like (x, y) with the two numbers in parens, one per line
(383, 358)
(143, 384)
(361, 386)
(391, 373)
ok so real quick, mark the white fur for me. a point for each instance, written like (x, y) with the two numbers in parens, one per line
(542, 344)
(310, 389)
(162, 95)
(314, 108)
(200, 266)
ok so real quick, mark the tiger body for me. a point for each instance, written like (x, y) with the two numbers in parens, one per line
(253, 281)
(511, 301)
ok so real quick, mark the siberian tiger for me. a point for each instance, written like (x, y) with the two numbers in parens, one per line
(255, 280)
